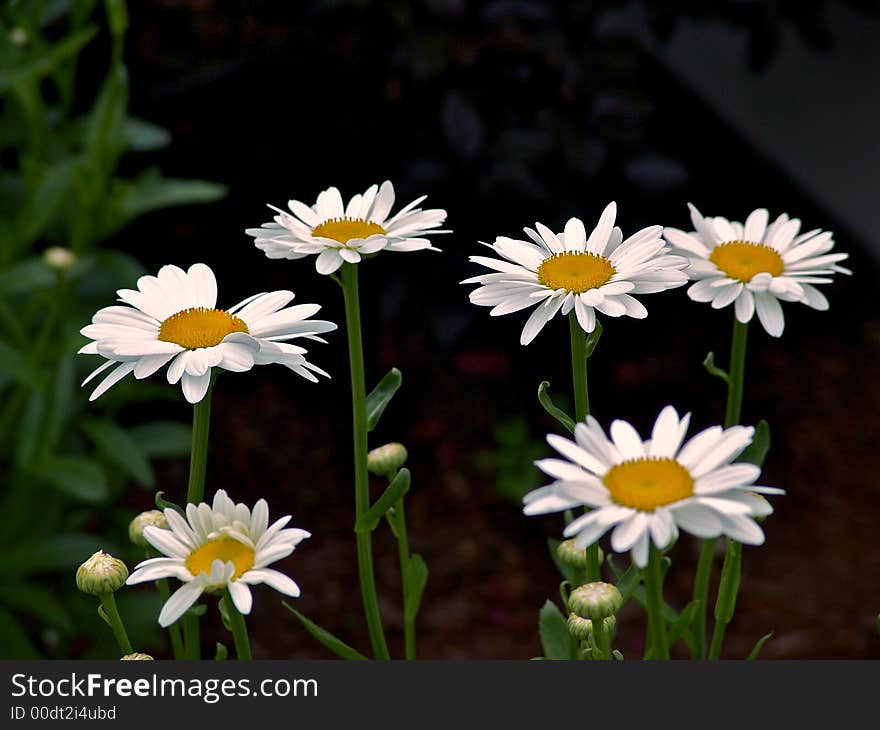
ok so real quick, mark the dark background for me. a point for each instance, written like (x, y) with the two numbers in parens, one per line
(504, 113)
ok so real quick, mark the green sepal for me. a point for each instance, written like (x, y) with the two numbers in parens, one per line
(713, 369)
(381, 396)
(393, 493)
(337, 646)
(759, 644)
(556, 640)
(564, 420)
(756, 452)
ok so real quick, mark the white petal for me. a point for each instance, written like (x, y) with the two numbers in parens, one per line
(241, 596)
(179, 602)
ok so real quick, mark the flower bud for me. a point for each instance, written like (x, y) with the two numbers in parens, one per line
(137, 656)
(387, 460)
(582, 628)
(573, 556)
(595, 600)
(100, 574)
(136, 527)
(59, 257)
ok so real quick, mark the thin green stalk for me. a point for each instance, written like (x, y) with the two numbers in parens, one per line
(239, 629)
(409, 622)
(581, 411)
(173, 630)
(701, 594)
(108, 603)
(195, 493)
(727, 590)
(736, 373)
(601, 640)
(361, 475)
(653, 577)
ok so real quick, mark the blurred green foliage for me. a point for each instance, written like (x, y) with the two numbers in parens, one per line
(64, 463)
(511, 464)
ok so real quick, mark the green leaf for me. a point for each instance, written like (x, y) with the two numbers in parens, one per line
(33, 600)
(45, 61)
(119, 448)
(626, 580)
(759, 644)
(681, 627)
(593, 339)
(15, 364)
(73, 476)
(337, 646)
(26, 276)
(164, 504)
(728, 585)
(14, 641)
(566, 570)
(28, 444)
(564, 420)
(395, 491)
(223, 608)
(713, 369)
(381, 395)
(104, 132)
(61, 404)
(46, 201)
(557, 642)
(55, 552)
(756, 452)
(416, 582)
(162, 439)
(143, 136)
(220, 652)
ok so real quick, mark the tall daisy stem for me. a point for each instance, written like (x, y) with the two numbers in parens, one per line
(173, 630)
(361, 475)
(239, 629)
(727, 590)
(732, 558)
(195, 493)
(581, 411)
(653, 577)
(108, 603)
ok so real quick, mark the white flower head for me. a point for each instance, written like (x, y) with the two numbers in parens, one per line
(340, 233)
(647, 490)
(171, 319)
(561, 272)
(754, 265)
(223, 545)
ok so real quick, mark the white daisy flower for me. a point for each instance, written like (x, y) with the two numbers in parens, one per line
(224, 545)
(172, 319)
(569, 271)
(755, 265)
(647, 490)
(339, 233)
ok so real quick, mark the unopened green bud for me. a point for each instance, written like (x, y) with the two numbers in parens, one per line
(595, 600)
(387, 460)
(137, 656)
(150, 518)
(18, 36)
(569, 554)
(582, 628)
(59, 257)
(100, 574)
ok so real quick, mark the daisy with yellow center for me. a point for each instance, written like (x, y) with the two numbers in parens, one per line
(218, 546)
(172, 319)
(569, 271)
(338, 233)
(648, 490)
(754, 265)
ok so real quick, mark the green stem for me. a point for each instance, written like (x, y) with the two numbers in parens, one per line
(409, 621)
(701, 594)
(601, 640)
(195, 494)
(581, 411)
(108, 602)
(736, 373)
(239, 629)
(361, 475)
(653, 577)
(727, 590)
(173, 630)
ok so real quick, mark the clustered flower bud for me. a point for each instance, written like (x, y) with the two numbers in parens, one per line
(137, 656)
(571, 555)
(153, 518)
(595, 600)
(582, 628)
(101, 574)
(386, 460)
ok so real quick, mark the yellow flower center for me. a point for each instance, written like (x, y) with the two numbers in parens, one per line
(743, 259)
(345, 229)
(645, 484)
(575, 272)
(225, 549)
(199, 327)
